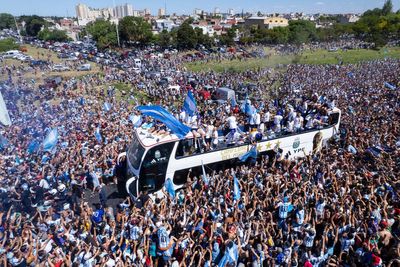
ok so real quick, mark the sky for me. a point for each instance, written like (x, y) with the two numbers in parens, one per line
(67, 7)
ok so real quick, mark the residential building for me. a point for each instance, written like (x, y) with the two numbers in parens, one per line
(164, 24)
(348, 18)
(266, 22)
(123, 11)
(82, 11)
(161, 12)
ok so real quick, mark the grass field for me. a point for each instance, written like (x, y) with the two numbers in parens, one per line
(309, 57)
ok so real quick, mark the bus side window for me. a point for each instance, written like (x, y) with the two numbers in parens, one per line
(334, 118)
(180, 176)
(185, 148)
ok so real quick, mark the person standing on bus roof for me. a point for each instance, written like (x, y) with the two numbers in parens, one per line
(232, 124)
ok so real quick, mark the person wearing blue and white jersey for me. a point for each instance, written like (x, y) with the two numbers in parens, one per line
(285, 208)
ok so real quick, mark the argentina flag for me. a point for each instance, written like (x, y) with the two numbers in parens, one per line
(252, 153)
(51, 140)
(190, 104)
(205, 177)
(136, 120)
(236, 188)
(167, 118)
(170, 187)
(97, 134)
(107, 106)
(3, 142)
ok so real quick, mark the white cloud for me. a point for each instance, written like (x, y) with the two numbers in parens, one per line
(320, 3)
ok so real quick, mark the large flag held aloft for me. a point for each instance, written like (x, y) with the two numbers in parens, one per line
(33, 146)
(170, 187)
(236, 188)
(136, 120)
(3, 142)
(205, 177)
(167, 118)
(4, 117)
(107, 106)
(390, 86)
(252, 153)
(190, 104)
(51, 140)
(97, 134)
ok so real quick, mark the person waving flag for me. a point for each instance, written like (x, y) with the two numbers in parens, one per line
(97, 134)
(51, 140)
(190, 104)
(236, 188)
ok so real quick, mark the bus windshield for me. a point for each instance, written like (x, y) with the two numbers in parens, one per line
(135, 152)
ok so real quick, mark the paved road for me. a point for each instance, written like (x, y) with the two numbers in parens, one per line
(113, 197)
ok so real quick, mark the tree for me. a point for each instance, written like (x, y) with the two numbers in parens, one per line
(8, 44)
(6, 21)
(103, 32)
(164, 39)
(301, 31)
(387, 8)
(54, 35)
(278, 35)
(186, 36)
(136, 30)
(33, 24)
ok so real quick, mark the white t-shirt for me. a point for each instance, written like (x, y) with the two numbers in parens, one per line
(232, 122)
(298, 122)
(277, 119)
(209, 131)
(267, 116)
(257, 119)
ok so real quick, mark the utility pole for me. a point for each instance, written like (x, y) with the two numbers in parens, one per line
(116, 27)
(18, 31)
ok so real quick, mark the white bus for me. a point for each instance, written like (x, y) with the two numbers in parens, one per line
(150, 160)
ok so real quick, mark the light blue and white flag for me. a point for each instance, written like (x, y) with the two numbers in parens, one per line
(252, 153)
(51, 140)
(205, 177)
(236, 188)
(231, 255)
(33, 146)
(169, 186)
(390, 86)
(107, 106)
(136, 120)
(4, 117)
(97, 134)
(190, 104)
(167, 118)
(3, 142)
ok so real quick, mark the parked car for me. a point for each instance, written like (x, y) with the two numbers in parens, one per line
(38, 63)
(59, 67)
(84, 67)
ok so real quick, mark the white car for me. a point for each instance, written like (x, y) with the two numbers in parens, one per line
(60, 67)
(84, 67)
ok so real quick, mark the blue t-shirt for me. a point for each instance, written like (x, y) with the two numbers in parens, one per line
(97, 216)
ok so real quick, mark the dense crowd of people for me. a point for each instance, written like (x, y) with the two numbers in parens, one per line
(336, 207)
